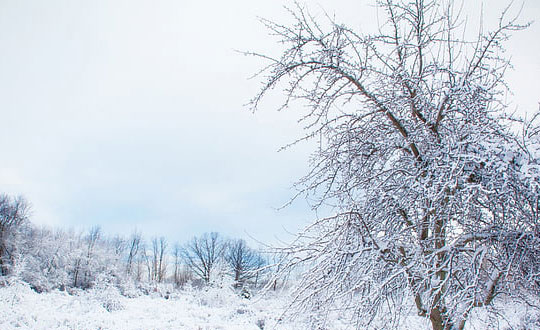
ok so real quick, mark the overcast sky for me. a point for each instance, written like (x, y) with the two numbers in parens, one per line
(129, 114)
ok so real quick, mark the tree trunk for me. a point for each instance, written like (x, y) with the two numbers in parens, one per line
(3, 266)
(439, 321)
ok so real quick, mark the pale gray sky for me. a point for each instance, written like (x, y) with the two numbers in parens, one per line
(130, 113)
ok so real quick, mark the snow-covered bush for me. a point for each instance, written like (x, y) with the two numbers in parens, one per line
(106, 294)
(216, 296)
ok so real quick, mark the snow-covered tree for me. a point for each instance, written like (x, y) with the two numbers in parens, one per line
(13, 215)
(55, 259)
(44, 258)
(435, 192)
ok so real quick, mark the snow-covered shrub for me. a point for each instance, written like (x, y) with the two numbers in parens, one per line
(129, 289)
(213, 296)
(107, 295)
(110, 300)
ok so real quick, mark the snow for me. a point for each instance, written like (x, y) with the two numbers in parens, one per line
(204, 309)
(22, 308)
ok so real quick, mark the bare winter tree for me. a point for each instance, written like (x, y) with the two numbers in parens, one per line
(182, 274)
(90, 259)
(202, 255)
(13, 213)
(436, 193)
(244, 261)
(134, 251)
(177, 255)
(119, 244)
(159, 262)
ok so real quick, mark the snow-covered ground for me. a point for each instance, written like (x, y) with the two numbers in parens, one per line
(23, 308)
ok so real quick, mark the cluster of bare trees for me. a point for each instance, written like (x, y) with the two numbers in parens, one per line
(209, 254)
(436, 193)
(202, 259)
(49, 259)
(153, 263)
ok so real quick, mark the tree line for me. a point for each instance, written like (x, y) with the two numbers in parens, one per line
(51, 259)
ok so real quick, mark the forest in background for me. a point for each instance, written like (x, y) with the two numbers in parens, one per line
(53, 258)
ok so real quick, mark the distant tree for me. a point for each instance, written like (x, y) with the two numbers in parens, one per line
(14, 213)
(58, 259)
(44, 258)
(244, 261)
(78, 255)
(134, 247)
(119, 245)
(182, 274)
(141, 260)
(202, 255)
(436, 195)
(177, 255)
(146, 258)
(86, 260)
(159, 262)
(90, 262)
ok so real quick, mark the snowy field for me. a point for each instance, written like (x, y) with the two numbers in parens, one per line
(22, 308)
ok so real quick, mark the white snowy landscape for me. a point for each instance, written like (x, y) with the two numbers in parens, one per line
(209, 309)
(22, 308)
(140, 187)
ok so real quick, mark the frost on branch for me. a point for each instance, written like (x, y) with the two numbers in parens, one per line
(435, 194)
